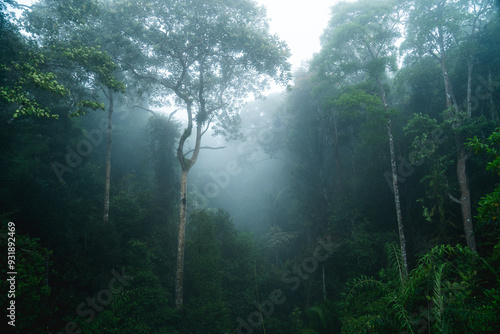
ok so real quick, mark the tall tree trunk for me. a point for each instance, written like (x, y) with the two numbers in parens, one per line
(324, 284)
(108, 158)
(450, 98)
(462, 155)
(186, 164)
(470, 66)
(462, 170)
(179, 286)
(494, 117)
(465, 199)
(337, 155)
(447, 87)
(353, 163)
(402, 239)
(399, 216)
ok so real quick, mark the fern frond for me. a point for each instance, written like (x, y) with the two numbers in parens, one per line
(360, 283)
(395, 261)
(438, 298)
(399, 311)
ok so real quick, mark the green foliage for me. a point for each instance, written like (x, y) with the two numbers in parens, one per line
(442, 294)
(424, 130)
(457, 301)
(62, 29)
(488, 210)
(32, 70)
(359, 41)
(279, 238)
(367, 108)
(358, 102)
(29, 77)
(142, 306)
(96, 61)
(322, 319)
(32, 290)
(75, 11)
(219, 273)
(360, 316)
(491, 147)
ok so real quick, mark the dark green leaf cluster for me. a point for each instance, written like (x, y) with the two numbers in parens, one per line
(442, 294)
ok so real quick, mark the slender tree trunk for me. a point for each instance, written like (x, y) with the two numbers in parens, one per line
(462, 158)
(470, 66)
(399, 216)
(402, 239)
(108, 158)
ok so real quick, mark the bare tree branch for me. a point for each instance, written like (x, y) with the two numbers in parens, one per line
(207, 148)
(172, 113)
(143, 76)
(18, 5)
(151, 111)
(454, 199)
